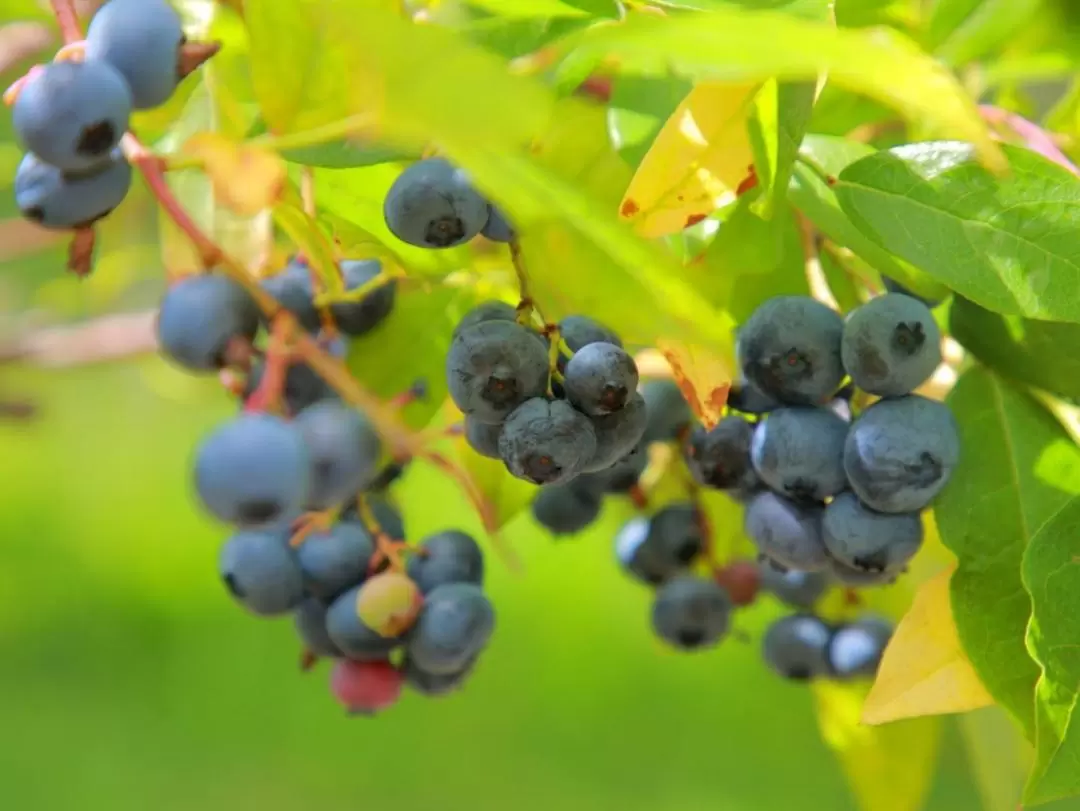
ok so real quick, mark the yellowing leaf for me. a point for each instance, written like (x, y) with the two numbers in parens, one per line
(697, 161)
(872, 757)
(245, 178)
(703, 376)
(925, 670)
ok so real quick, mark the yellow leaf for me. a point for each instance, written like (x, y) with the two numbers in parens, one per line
(703, 376)
(697, 161)
(246, 179)
(924, 670)
(873, 757)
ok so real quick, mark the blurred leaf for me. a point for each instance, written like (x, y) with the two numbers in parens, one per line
(814, 197)
(638, 109)
(1009, 244)
(999, 757)
(925, 670)
(841, 283)
(1018, 467)
(736, 45)
(422, 321)
(873, 757)
(1044, 354)
(783, 114)
(343, 154)
(245, 178)
(703, 378)
(507, 495)
(529, 8)
(963, 30)
(1052, 576)
(700, 155)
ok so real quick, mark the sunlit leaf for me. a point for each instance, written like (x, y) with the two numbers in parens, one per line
(925, 670)
(702, 376)
(245, 178)
(700, 156)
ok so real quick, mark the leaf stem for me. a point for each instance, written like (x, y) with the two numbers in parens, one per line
(342, 128)
(816, 168)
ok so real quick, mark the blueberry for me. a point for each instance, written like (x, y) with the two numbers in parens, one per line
(356, 640)
(668, 413)
(691, 612)
(796, 647)
(497, 228)
(446, 557)
(436, 684)
(870, 541)
(789, 348)
(617, 434)
(141, 39)
(486, 311)
(786, 531)
(303, 386)
(260, 571)
(856, 648)
(600, 378)
(893, 286)
(482, 437)
(344, 450)
(546, 441)
(619, 477)
(720, 457)
(253, 470)
(578, 331)
(900, 453)
(794, 587)
(747, 398)
(891, 345)
(565, 509)
(335, 560)
(454, 626)
(432, 204)
(799, 452)
(310, 621)
(493, 367)
(59, 201)
(293, 290)
(357, 318)
(72, 114)
(388, 474)
(200, 316)
(859, 578)
(654, 550)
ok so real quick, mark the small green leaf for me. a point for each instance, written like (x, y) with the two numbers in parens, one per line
(964, 30)
(305, 234)
(1045, 354)
(1017, 468)
(812, 195)
(1010, 244)
(343, 155)
(507, 495)
(784, 111)
(423, 321)
(1052, 575)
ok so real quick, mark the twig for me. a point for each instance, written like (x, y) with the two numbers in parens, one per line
(67, 19)
(815, 276)
(103, 339)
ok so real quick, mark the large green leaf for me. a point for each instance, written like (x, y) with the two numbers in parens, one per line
(1010, 244)
(1052, 575)
(411, 345)
(735, 44)
(813, 196)
(1045, 354)
(783, 113)
(1017, 468)
(962, 30)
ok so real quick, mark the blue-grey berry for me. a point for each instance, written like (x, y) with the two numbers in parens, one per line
(720, 457)
(483, 437)
(891, 346)
(796, 647)
(786, 531)
(867, 540)
(793, 587)
(357, 318)
(799, 452)
(600, 379)
(856, 648)
(199, 318)
(498, 228)
(565, 509)
(546, 441)
(669, 415)
(432, 204)
(691, 612)
(656, 549)
(617, 434)
(261, 572)
(58, 201)
(449, 556)
(344, 450)
(453, 627)
(335, 560)
(355, 639)
(310, 621)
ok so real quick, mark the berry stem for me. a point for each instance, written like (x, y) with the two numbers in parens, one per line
(342, 128)
(268, 395)
(327, 298)
(528, 305)
(67, 19)
(386, 549)
(815, 276)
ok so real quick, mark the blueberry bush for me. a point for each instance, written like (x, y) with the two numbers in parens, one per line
(789, 286)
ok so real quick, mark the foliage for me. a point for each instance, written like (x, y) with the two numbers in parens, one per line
(735, 150)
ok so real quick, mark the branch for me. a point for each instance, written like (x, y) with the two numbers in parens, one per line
(104, 339)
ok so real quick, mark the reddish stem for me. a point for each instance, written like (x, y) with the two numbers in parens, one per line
(267, 396)
(67, 19)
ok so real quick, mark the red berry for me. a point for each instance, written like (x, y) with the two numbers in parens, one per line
(365, 688)
(741, 579)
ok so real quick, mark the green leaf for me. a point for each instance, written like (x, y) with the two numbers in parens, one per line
(1045, 354)
(343, 155)
(1052, 576)
(1010, 244)
(813, 196)
(964, 30)
(871, 757)
(639, 107)
(422, 320)
(733, 44)
(1017, 468)
(528, 9)
(784, 111)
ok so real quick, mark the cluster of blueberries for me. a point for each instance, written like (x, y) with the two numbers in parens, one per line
(71, 115)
